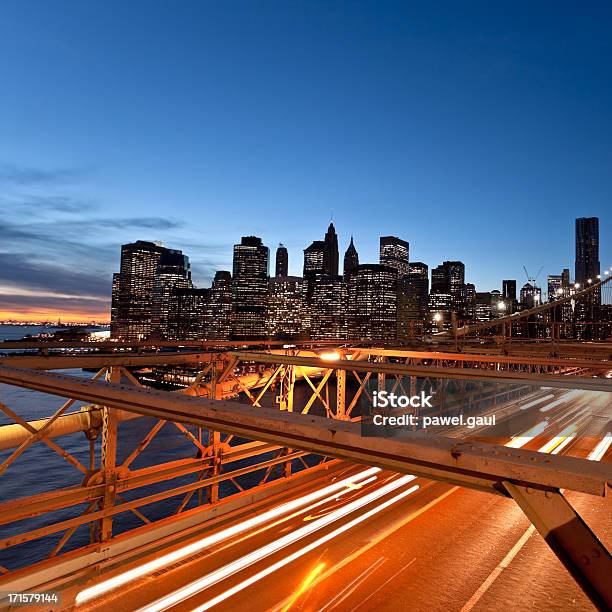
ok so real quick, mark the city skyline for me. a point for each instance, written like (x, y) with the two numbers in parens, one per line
(154, 297)
(295, 269)
(475, 133)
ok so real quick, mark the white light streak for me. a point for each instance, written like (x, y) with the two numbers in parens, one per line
(216, 538)
(602, 448)
(299, 553)
(261, 553)
(529, 435)
(537, 401)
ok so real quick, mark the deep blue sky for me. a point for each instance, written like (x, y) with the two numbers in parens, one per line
(475, 130)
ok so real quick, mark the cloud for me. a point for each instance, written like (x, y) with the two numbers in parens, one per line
(156, 223)
(19, 270)
(58, 250)
(54, 204)
(27, 175)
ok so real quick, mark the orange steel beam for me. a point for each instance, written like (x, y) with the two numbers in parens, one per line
(484, 358)
(568, 382)
(471, 464)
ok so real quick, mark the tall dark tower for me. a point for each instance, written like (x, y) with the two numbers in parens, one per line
(282, 261)
(330, 252)
(351, 258)
(587, 249)
(250, 288)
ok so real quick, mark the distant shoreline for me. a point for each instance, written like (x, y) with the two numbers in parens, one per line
(51, 324)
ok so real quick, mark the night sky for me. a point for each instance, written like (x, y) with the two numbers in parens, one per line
(475, 130)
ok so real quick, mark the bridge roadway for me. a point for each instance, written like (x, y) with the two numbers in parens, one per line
(382, 542)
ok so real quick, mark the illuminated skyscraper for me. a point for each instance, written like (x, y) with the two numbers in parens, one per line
(328, 309)
(483, 305)
(394, 252)
(218, 324)
(313, 259)
(287, 307)
(372, 303)
(448, 277)
(530, 296)
(555, 287)
(173, 272)
(440, 309)
(133, 290)
(282, 261)
(250, 288)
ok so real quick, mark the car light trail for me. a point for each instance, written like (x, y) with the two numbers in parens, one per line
(537, 401)
(602, 448)
(529, 435)
(558, 443)
(564, 398)
(261, 553)
(299, 553)
(216, 538)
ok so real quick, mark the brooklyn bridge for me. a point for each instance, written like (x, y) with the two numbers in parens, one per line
(213, 473)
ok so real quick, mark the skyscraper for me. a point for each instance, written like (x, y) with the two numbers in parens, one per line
(186, 316)
(313, 259)
(250, 288)
(330, 252)
(394, 252)
(587, 269)
(530, 296)
(351, 259)
(440, 309)
(327, 309)
(132, 304)
(565, 278)
(219, 307)
(587, 249)
(372, 302)
(509, 290)
(287, 307)
(448, 277)
(412, 297)
(282, 261)
(555, 287)
(482, 308)
(173, 272)
(439, 280)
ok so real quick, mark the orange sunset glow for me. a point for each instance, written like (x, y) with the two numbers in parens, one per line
(35, 314)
